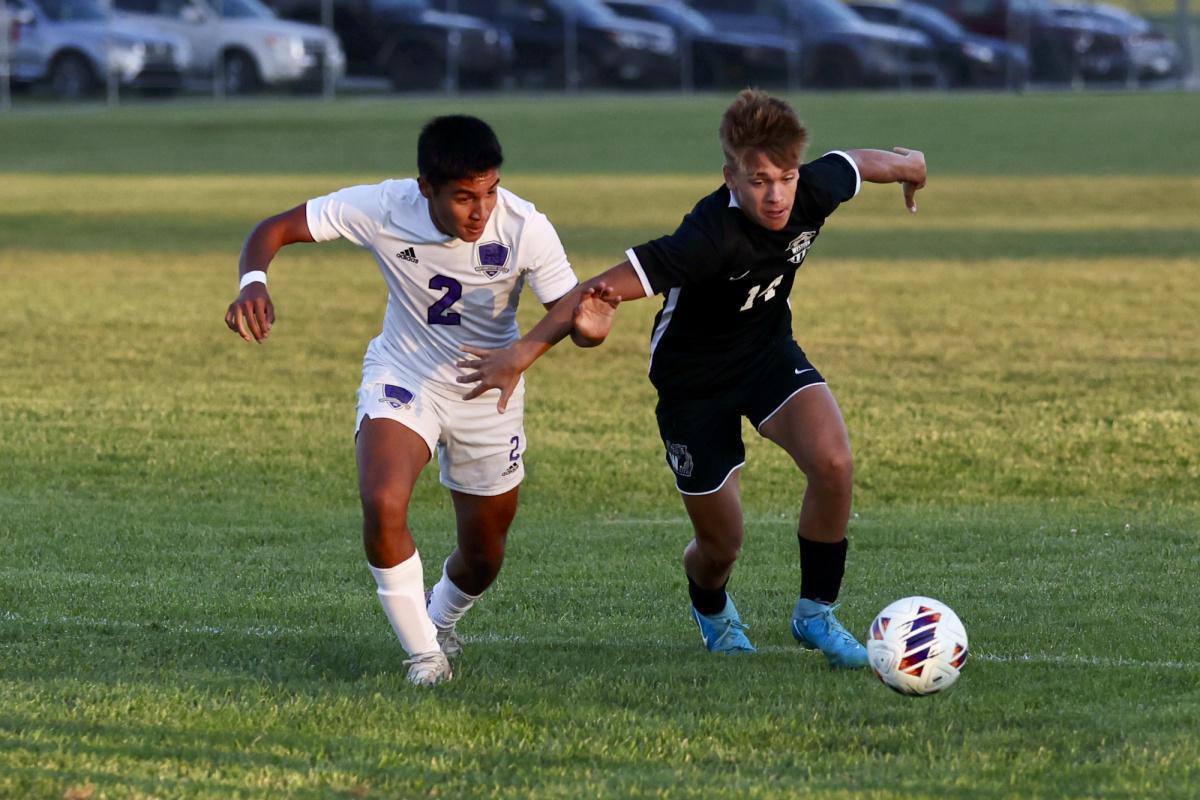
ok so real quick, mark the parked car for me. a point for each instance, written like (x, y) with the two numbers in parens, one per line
(838, 48)
(967, 59)
(1060, 50)
(410, 42)
(72, 45)
(1153, 54)
(253, 47)
(610, 49)
(716, 58)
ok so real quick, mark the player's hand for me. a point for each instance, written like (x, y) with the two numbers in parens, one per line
(252, 314)
(494, 369)
(593, 316)
(916, 173)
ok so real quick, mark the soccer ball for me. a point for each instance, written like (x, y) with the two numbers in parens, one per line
(917, 646)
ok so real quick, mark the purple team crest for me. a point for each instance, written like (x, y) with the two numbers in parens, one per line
(396, 396)
(493, 257)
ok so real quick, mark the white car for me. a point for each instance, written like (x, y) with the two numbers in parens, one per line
(72, 46)
(252, 46)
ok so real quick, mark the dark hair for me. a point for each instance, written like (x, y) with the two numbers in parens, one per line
(455, 147)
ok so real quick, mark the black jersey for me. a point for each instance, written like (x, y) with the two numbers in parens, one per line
(727, 281)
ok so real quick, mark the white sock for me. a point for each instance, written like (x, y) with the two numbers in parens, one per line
(448, 603)
(402, 595)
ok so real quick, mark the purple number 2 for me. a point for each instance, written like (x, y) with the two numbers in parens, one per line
(437, 313)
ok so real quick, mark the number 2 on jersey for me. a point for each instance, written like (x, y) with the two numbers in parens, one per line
(766, 295)
(437, 313)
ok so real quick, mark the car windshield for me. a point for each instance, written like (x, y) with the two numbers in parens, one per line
(828, 13)
(1108, 14)
(243, 9)
(589, 12)
(74, 10)
(411, 5)
(687, 19)
(933, 19)
(1032, 7)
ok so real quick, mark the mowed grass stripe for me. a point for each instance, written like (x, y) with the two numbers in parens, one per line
(1081, 133)
(952, 202)
(961, 382)
(970, 219)
(68, 625)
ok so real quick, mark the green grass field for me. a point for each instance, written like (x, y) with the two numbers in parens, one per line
(184, 606)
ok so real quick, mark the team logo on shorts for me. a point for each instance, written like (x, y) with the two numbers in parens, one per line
(680, 459)
(493, 258)
(798, 248)
(396, 396)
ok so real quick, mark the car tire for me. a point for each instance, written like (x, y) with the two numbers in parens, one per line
(1051, 64)
(239, 73)
(588, 72)
(72, 77)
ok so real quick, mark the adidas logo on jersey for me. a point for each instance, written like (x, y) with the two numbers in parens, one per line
(511, 469)
(409, 255)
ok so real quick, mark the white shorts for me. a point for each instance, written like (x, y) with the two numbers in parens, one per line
(479, 450)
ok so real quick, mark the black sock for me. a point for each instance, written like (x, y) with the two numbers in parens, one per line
(707, 601)
(822, 565)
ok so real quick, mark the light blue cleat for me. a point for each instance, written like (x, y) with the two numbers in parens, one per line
(816, 628)
(723, 632)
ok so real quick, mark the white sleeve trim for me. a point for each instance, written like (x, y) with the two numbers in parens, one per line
(564, 294)
(550, 274)
(853, 165)
(641, 273)
(312, 215)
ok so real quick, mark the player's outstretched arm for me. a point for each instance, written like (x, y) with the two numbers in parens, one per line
(252, 314)
(900, 165)
(578, 313)
(593, 316)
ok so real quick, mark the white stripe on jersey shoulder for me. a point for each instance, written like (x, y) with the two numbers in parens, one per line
(400, 190)
(406, 212)
(663, 321)
(641, 273)
(511, 207)
(516, 205)
(853, 166)
(733, 201)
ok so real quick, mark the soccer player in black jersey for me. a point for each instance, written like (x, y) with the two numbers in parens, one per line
(722, 348)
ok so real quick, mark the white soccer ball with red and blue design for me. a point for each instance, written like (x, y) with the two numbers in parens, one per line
(917, 646)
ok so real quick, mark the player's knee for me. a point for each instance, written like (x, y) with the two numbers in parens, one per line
(833, 470)
(722, 553)
(384, 509)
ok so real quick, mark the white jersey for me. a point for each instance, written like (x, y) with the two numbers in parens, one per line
(444, 292)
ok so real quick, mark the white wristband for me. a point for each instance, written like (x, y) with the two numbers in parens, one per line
(255, 276)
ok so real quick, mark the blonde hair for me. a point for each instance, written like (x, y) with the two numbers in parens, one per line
(757, 121)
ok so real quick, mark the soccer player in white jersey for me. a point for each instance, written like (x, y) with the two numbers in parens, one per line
(455, 250)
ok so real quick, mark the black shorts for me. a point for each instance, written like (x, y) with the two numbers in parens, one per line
(703, 435)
